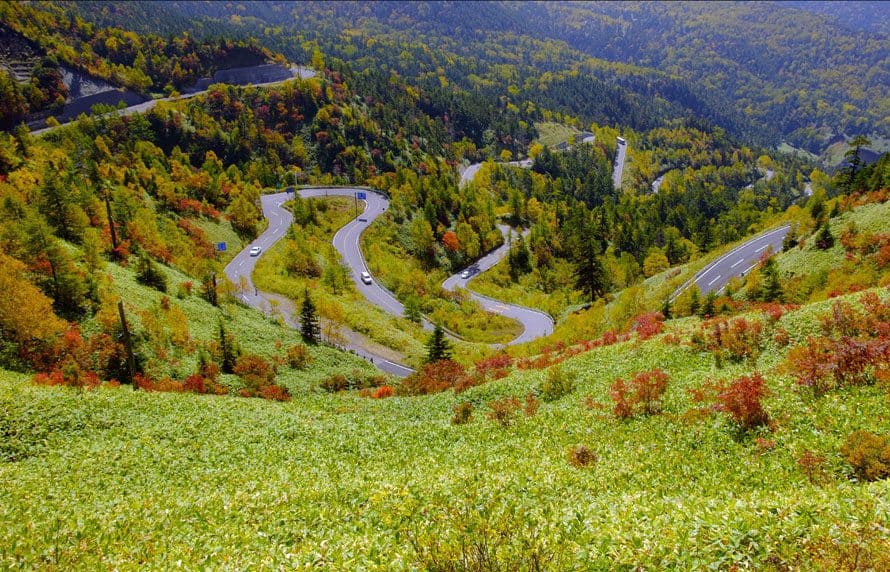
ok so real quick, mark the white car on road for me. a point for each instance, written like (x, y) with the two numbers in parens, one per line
(465, 274)
(366, 278)
(255, 251)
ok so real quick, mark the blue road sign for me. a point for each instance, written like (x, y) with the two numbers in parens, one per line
(361, 195)
(221, 246)
(290, 190)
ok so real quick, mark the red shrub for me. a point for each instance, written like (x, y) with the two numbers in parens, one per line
(742, 401)
(450, 241)
(648, 325)
(255, 371)
(619, 392)
(504, 410)
(468, 381)
(531, 405)
(298, 356)
(736, 340)
(334, 383)
(487, 369)
(195, 384)
(781, 337)
(166, 385)
(773, 310)
(542, 361)
(764, 445)
(843, 320)
(432, 378)
(462, 413)
(823, 363)
(811, 464)
(643, 392)
(581, 456)
(883, 256)
(496, 362)
(383, 392)
(51, 378)
(274, 393)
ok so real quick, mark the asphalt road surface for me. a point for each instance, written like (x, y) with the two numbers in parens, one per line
(535, 322)
(620, 158)
(737, 262)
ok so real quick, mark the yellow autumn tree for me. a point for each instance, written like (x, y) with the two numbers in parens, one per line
(26, 314)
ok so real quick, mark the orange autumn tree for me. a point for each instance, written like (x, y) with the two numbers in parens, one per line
(450, 241)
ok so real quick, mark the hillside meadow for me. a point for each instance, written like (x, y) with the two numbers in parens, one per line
(113, 478)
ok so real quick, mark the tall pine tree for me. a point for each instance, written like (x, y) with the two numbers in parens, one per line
(590, 277)
(309, 320)
(437, 347)
(772, 287)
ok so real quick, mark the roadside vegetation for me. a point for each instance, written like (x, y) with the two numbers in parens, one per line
(421, 289)
(551, 134)
(306, 259)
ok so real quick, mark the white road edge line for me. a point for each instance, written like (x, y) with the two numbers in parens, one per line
(762, 248)
(747, 270)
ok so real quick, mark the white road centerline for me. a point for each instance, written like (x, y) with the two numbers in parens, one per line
(737, 263)
(714, 280)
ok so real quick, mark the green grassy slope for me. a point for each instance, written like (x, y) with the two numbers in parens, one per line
(552, 134)
(814, 272)
(115, 478)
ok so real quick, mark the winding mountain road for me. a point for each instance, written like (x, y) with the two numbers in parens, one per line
(241, 267)
(535, 322)
(620, 159)
(347, 242)
(298, 71)
(469, 173)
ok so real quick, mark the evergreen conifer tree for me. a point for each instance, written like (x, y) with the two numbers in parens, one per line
(824, 240)
(309, 320)
(694, 300)
(709, 307)
(772, 287)
(437, 347)
(590, 277)
(228, 350)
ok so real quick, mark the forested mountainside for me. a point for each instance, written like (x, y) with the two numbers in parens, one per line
(38, 41)
(865, 15)
(211, 156)
(195, 290)
(766, 71)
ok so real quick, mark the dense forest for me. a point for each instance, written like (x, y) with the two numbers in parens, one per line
(406, 131)
(762, 71)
